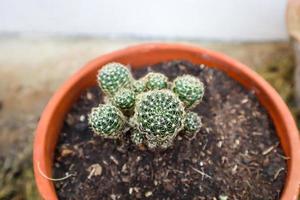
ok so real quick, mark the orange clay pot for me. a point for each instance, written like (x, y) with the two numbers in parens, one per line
(53, 116)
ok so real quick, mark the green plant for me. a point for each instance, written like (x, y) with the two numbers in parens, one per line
(112, 77)
(124, 98)
(159, 116)
(189, 89)
(107, 120)
(139, 86)
(137, 137)
(157, 112)
(156, 81)
(192, 123)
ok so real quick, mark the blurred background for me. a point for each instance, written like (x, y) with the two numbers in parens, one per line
(43, 42)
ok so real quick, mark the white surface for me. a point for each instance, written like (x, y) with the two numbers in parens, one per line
(189, 19)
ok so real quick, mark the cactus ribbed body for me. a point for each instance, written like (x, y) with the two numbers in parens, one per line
(137, 137)
(139, 86)
(156, 81)
(112, 77)
(192, 123)
(159, 114)
(189, 89)
(124, 99)
(106, 120)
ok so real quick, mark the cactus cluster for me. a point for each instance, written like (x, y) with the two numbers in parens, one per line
(158, 109)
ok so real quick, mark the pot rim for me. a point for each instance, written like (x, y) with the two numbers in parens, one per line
(268, 97)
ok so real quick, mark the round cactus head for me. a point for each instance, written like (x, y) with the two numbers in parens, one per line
(112, 77)
(189, 89)
(156, 81)
(139, 86)
(192, 123)
(106, 120)
(124, 98)
(159, 114)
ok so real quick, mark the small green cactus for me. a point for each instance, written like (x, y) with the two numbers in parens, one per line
(106, 120)
(192, 123)
(112, 77)
(137, 137)
(139, 86)
(124, 99)
(156, 113)
(160, 115)
(156, 81)
(189, 89)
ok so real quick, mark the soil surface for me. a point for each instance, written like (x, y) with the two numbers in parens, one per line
(235, 155)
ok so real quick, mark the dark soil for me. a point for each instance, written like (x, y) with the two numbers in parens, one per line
(236, 154)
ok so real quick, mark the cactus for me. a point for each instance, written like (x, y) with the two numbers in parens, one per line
(156, 113)
(159, 114)
(112, 77)
(124, 99)
(189, 89)
(156, 81)
(192, 123)
(137, 137)
(106, 120)
(139, 86)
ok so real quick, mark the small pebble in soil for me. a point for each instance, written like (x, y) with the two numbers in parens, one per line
(82, 118)
(148, 194)
(223, 197)
(94, 170)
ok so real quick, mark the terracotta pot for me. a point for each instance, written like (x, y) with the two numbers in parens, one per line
(53, 116)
